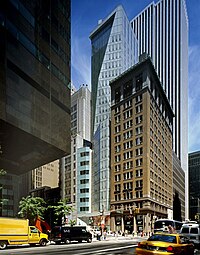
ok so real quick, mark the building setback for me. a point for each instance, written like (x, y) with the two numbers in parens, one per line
(34, 83)
(141, 150)
(162, 32)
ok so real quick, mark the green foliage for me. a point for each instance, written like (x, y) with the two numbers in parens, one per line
(61, 210)
(72, 223)
(31, 207)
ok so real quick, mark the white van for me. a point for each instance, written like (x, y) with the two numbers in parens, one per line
(192, 231)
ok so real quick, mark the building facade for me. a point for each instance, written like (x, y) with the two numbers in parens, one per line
(114, 50)
(35, 78)
(141, 150)
(194, 188)
(47, 175)
(162, 32)
(77, 166)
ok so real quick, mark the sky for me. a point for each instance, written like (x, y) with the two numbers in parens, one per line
(85, 16)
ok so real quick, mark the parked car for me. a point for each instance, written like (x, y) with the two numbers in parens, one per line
(192, 231)
(67, 234)
(164, 243)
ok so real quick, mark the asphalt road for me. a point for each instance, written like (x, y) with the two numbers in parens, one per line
(106, 247)
(94, 248)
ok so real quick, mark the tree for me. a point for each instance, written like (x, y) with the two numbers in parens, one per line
(31, 208)
(61, 210)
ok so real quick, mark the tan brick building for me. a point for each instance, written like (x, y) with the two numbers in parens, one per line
(141, 150)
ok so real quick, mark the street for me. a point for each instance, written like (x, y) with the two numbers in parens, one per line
(109, 247)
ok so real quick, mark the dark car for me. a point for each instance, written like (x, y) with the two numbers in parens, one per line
(67, 234)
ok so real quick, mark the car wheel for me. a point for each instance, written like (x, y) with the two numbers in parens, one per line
(43, 242)
(3, 245)
(89, 240)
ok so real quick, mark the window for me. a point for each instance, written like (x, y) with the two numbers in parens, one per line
(138, 108)
(84, 172)
(117, 148)
(117, 95)
(128, 104)
(139, 184)
(139, 162)
(139, 151)
(117, 138)
(117, 158)
(128, 145)
(83, 154)
(139, 194)
(139, 173)
(138, 119)
(128, 134)
(117, 168)
(138, 130)
(84, 209)
(117, 129)
(128, 165)
(84, 199)
(128, 155)
(84, 163)
(84, 190)
(128, 114)
(128, 87)
(128, 124)
(128, 186)
(128, 175)
(138, 141)
(117, 119)
(138, 82)
(84, 181)
(118, 187)
(138, 99)
(117, 177)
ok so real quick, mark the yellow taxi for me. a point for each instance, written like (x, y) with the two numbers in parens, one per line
(165, 243)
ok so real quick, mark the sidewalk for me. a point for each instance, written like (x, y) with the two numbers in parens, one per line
(119, 238)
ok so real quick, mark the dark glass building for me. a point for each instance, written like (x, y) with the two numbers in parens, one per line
(35, 42)
(194, 187)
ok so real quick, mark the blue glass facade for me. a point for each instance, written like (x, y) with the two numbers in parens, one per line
(114, 50)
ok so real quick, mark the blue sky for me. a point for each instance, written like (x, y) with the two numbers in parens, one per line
(85, 15)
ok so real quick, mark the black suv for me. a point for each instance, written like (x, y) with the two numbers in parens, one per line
(67, 234)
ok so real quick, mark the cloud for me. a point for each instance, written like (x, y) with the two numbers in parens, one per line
(194, 98)
(81, 66)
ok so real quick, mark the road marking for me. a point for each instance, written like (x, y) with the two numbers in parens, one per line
(109, 249)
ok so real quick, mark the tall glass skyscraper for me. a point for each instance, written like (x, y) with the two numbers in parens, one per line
(162, 31)
(114, 49)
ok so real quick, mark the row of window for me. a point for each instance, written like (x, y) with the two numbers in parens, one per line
(128, 186)
(127, 135)
(129, 195)
(35, 51)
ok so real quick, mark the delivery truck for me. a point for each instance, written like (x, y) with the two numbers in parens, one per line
(17, 231)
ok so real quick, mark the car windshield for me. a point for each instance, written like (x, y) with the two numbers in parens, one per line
(163, 238)
(185, 230)
(194, 231)
(161, 224)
